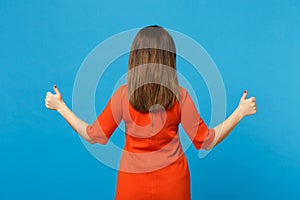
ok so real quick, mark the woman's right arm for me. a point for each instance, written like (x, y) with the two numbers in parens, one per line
(246, 107)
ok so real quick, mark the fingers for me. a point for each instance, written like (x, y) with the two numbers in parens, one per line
(244, 95)
(254, 110)
(248, 106)
(56, 89)
(48, 94)
(47, 99)
(253, 105)
(252, 99)
(46, 102)
(252, 102)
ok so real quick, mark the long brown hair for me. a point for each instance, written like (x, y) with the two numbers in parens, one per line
(152, 77)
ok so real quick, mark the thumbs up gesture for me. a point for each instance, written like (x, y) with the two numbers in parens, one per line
(247, 106)
(53, 101)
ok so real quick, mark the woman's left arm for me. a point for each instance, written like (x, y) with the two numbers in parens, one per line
(55, 102)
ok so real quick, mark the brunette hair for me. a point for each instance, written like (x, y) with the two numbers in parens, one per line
(152, 77)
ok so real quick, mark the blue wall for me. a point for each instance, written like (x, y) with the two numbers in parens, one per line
(255, 45)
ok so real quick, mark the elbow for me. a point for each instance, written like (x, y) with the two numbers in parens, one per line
(100, 141)
(208, 148)
(91, 141)
(204, 146)
(95, 136)
(211, 141)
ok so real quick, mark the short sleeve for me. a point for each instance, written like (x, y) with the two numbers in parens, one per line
(193, 124)
(106, 123)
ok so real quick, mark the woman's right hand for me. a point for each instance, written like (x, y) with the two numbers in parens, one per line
(53, 101)
(247, 106)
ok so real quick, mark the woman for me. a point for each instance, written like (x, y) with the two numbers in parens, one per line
(152, 104)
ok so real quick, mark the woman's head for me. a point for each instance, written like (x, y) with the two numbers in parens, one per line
(152, 77)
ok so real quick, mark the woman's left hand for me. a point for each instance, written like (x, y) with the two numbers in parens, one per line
(53, 101)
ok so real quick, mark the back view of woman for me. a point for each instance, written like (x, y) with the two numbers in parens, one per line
(152, 105)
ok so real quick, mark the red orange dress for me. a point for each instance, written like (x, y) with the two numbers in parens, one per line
(153, 165)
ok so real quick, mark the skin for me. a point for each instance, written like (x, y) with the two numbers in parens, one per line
(245, 108)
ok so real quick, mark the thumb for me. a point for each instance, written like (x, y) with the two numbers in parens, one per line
(244, 95)
(56, 90)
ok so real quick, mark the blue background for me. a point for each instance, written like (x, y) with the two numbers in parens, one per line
(255, 45)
